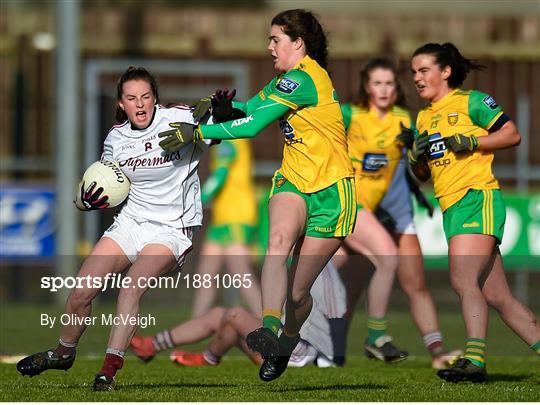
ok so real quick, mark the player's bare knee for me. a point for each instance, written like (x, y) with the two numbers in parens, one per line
(131, 292)
(413, 288)
(81, 297)
(497, 300)
(458, 284)
(278, 242)
(217, 312)
(389, 262)
(236, 313)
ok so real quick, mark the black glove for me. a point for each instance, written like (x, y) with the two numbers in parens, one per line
(421, 199)
(182, 134)
(458, 143)
(222, 107)
(406, 137)
(201, 108)
(418, 148)
(386, 220)
(88, 199)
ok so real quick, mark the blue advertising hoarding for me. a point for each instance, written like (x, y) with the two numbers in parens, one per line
(27, 226)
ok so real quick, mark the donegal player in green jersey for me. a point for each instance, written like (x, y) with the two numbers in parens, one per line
(312, 203)
(459, 133)
(231, 190)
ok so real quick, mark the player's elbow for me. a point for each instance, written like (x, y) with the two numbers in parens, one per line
(513, 137)
(516, 138)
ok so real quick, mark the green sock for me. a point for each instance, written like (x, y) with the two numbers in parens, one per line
(376, 328)
(272, 320)
(536, 347)
(475, 351)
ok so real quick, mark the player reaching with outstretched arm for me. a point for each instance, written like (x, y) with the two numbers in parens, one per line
(312, 203)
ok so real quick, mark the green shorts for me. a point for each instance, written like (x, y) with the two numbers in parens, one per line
(479, 211)
(331, 212)
(230, 234)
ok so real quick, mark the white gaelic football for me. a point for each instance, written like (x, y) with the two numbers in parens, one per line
(108, 175)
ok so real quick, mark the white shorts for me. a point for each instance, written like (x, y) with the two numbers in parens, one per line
(329, 301)
(132, 236)
(397, 202)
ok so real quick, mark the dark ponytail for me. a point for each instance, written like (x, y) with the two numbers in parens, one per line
(448, 55)
(382, 63)
(303, 24)
(133, 73)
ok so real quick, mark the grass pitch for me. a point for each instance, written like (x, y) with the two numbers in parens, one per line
(514, 371)
(236, 380)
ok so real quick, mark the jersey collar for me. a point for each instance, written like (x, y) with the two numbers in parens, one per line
(302, 63)
(375, 114)
(442, 102)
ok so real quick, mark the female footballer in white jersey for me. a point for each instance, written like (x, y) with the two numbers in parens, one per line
(152, 232)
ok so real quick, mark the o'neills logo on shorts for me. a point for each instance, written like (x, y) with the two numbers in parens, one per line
(324, 229)
(135, 163)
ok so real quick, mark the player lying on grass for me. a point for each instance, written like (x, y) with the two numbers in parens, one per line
(229, 328)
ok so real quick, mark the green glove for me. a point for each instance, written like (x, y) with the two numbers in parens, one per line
(182, 134)
(418, 147)
(458, 143)
(201, 108)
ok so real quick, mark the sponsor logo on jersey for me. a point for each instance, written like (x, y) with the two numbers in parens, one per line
(471, 225)
(287, 85)
(164, 159)
(241, 121)
(288, 132)
(373, 162)
(286, 128)
(453, 118)
(441, 163)
(437, 146)
(490, 102)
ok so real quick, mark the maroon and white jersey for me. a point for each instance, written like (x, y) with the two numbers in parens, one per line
(165, 186)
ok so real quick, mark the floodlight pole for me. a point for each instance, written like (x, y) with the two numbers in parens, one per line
(67, 136)
(522, 170)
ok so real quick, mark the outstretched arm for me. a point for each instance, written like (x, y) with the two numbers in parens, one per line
(265, 113)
